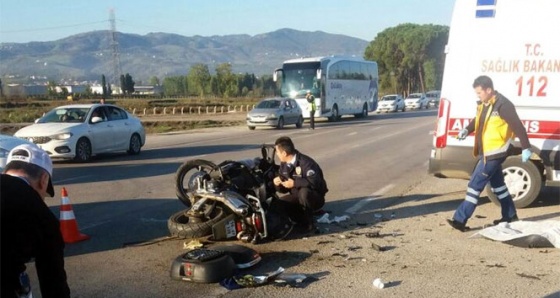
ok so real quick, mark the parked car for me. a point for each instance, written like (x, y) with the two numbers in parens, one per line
(275, 112)
(433, 97)
(81, 131)
(7, 143)
(416, 101)
(390, 103)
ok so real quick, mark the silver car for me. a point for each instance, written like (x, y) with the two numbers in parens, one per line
(275, 112)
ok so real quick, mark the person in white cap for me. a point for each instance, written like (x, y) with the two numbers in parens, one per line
(28, 228)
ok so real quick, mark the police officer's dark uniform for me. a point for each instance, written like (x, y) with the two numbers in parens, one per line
(308, 193)
(29, 230)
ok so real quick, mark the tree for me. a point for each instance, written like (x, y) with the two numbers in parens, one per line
(175, 86)
(199, 76)
(129, 83)
(51, 88)
(105, 90)
(226, 81)
(122, 80)
(154, 81)
(410, 57)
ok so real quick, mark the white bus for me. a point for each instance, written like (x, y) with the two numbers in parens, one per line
(341, 85)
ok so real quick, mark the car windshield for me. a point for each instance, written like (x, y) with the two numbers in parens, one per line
(75, 115)
(414, 96)
(432, 94)
(388, 98)
(269, 104)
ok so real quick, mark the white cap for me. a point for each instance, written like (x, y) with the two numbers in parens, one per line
(32, 154)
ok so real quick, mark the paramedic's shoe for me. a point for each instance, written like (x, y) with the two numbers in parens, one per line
(457, 225)
(498, 221)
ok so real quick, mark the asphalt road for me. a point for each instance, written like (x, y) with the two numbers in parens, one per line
(374, 166)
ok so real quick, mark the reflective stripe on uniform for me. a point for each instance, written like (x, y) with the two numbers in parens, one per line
(499, 189)
(473, 192)
(503, 195)
(471, 200)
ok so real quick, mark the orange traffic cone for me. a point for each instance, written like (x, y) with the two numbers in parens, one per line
(68, 223)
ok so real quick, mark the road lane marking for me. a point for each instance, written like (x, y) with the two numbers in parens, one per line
(356, 207)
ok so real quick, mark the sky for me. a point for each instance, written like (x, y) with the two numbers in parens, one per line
(40, 20)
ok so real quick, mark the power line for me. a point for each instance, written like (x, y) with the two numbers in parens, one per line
(51, 28)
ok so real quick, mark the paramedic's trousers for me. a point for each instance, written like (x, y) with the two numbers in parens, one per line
(486, 172)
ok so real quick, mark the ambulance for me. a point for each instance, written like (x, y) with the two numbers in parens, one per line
(516, 44)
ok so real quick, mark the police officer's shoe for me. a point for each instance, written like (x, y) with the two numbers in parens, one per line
(457, 225)
(512, 219)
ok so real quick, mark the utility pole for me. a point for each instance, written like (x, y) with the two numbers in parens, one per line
(117, 70)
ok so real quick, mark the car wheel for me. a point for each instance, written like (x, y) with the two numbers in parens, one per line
(299, 123)
(280, 124)
(83, 150)
(523, 181)
(251, 127)
(135, 145)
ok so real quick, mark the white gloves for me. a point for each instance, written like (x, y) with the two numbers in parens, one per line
(463, 134)
(525, 155)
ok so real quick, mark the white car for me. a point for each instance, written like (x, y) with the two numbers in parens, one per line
(390, 103)
(7, 143)
(80, 131)
(433, 97)
(416, 101)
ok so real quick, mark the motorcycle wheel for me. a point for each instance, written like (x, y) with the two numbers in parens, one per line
(184, 225)
(181, 184)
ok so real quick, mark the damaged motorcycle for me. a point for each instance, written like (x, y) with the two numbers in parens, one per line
(229, 200)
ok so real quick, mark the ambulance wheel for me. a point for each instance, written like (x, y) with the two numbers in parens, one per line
(523, 180)
(184, 224)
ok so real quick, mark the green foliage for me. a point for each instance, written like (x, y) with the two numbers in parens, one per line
(154, 81)
(199, 76)
(104, 87)
(129, 83)
(410, 57)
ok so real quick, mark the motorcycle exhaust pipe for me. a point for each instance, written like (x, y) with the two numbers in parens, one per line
(231, 199)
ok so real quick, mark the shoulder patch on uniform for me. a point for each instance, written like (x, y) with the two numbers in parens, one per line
(310, 173)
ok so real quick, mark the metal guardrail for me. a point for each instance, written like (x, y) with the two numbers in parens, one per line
(191, 110)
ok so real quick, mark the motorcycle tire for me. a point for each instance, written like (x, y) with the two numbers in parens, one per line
(182, 192)
(182, 226)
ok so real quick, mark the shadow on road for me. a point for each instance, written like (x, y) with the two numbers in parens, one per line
(97, 170)
(121, 223)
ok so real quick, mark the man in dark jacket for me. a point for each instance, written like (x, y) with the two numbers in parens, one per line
(301, 178)
(28, 228)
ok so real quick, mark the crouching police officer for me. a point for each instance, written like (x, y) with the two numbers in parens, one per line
(301, 178)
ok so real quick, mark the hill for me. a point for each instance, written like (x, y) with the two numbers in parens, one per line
(86, 56)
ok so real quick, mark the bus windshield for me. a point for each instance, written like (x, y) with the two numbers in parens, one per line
(298, 78)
